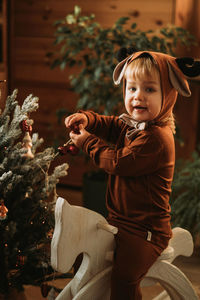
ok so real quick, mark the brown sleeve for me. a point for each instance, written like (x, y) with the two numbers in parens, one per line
(141, 157)
(107, 128)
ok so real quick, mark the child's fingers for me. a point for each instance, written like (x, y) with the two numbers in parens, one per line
(72, 135)
(75, 120)
(79, 138)
(81, 128)
(70, 120)
(67, 121)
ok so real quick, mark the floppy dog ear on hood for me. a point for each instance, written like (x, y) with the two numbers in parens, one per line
(178, 80)
(189, 68)
(178, 68)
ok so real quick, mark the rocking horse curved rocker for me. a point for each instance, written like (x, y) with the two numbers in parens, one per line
(80, 230)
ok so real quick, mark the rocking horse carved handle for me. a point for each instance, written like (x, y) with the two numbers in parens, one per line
(107, 227)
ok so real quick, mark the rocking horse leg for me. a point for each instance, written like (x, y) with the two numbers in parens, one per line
(168, 294)
(162, 296)
(97, 288)
(65, 294)
(173, 280)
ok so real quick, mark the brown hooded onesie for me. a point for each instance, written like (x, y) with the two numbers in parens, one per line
(140, 172)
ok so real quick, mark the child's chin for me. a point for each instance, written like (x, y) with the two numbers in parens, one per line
(138, 119)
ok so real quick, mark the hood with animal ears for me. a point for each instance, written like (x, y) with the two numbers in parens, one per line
(173, 80)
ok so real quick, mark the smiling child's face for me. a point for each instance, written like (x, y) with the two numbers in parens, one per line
(143, 96)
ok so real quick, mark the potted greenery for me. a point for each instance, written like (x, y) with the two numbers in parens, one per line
(186, 195)
(85, 44)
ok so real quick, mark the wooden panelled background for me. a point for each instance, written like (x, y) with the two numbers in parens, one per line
(31, 36)
(188, 109)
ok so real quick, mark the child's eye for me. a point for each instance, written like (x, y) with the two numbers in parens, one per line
(150, 89)
(132, 89)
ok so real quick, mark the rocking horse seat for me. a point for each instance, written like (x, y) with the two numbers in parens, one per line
(80, 230)
(180, 244)
(167, 254)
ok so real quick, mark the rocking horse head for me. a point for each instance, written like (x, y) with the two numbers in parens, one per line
(77, 230)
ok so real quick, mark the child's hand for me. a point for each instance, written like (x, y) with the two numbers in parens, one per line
(79, 138)
(77, 118)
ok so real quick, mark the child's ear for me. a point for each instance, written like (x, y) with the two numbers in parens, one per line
(178, 80)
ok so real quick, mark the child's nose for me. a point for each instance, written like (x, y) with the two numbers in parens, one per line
(138, 95)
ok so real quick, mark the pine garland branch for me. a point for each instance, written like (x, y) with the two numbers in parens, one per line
(9, 107)
(10, 131)
(29, 105)
(13, 158)
(36, 142)
(14, 180)
(6, 176)
(59, 171)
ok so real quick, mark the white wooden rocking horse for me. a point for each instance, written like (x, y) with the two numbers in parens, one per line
(80, 230)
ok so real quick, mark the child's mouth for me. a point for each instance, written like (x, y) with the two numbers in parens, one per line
(139, 108)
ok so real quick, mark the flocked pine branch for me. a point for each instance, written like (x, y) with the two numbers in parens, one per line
(36, 142)
(10, 129)
(9, 106)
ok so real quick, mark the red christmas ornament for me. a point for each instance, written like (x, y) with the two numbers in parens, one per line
(45, 288)
(25, 127)
(73, 150)
(3, 210)
(62, 150)
(68, 148)
(20, 260)
(50, 234)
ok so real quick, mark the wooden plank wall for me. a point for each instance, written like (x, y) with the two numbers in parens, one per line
(32, 36)
(188, 109)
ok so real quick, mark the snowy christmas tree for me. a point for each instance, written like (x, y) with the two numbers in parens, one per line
(27, 198)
